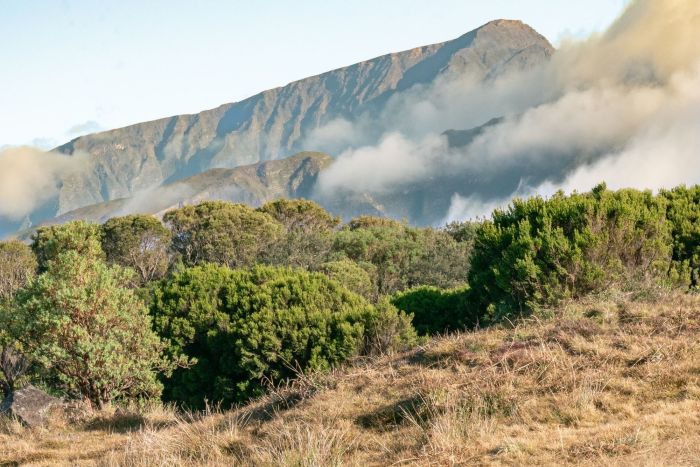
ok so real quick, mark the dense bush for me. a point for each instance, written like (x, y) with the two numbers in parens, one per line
(388, 329)
(80, 322)
(229, 234)
(249, 326)
(17, 265)
(352, 276)
(683, 213)
(403, 256)
(79, 236)
(138, 242)
(538, 251)
(437, 310)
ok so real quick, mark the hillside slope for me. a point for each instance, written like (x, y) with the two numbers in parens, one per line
(606, 382)
(274, 123)
(290, 178)
(253, 184)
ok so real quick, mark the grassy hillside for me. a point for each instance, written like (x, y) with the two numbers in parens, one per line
(608, 381)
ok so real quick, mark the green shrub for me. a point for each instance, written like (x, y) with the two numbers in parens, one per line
(683, 213)
(245, 327)
(437, 310)
(352, 276)
(81, 322)
(224, 233)
(389, 330)
(538, 252)
(79, 236)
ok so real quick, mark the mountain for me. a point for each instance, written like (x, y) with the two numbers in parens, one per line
(274, 124)
(291, 177)
(254, 184)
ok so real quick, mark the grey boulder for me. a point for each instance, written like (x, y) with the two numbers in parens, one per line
(30, 405)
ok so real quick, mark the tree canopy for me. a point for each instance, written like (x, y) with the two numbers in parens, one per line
(81, 322)
(234, 235)
(139, 242)
(17, 266)
(79, 236)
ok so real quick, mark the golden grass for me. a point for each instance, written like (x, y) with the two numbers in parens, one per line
(606, 381)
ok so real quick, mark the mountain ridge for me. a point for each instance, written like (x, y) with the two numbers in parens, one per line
(274, 123)
(254, 184)
(65, 147)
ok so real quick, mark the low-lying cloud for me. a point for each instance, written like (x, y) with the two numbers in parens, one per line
(30, 177)
(621, 107)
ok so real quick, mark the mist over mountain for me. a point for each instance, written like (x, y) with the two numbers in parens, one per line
(277, 123)
(621, 107)
(254, 184)
(437, 133)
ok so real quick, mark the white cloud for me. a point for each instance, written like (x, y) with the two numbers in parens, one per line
(621, 107)
(30, 177)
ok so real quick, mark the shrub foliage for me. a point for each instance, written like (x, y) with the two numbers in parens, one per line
(538, 252)
(245, 327)
(80, 322)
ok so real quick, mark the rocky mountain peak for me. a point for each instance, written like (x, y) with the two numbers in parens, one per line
(276, 123)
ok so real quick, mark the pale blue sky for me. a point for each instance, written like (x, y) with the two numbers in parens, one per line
(69, 67)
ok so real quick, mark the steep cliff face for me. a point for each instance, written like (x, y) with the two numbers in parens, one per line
(273, 124)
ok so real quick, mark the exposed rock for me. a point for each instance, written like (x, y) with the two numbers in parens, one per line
(30, 405)
(276, 123)
(255, 184)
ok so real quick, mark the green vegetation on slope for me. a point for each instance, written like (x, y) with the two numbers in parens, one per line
(221, 301)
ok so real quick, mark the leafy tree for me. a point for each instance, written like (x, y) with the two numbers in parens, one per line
(441, 261)
(404, 257)
(300, 215)
(82, 324)
(463, 232)
(352, 276)
(218, 232)
(13, 365)
(79, 236)
(368, 222)
(538, 251)
(17, 266)
(138, 242)
(308, 233)
(391, 249)
(298, 250)
(246, 326)
(436, 310)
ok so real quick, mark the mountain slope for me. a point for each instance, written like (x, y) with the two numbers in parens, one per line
(254, 184)
(274, 123)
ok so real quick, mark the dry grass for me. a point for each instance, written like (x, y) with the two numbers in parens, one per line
(608, 382)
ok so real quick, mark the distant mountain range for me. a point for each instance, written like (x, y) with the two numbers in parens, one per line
(226, 152)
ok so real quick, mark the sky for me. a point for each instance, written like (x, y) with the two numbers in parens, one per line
(72, 67)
